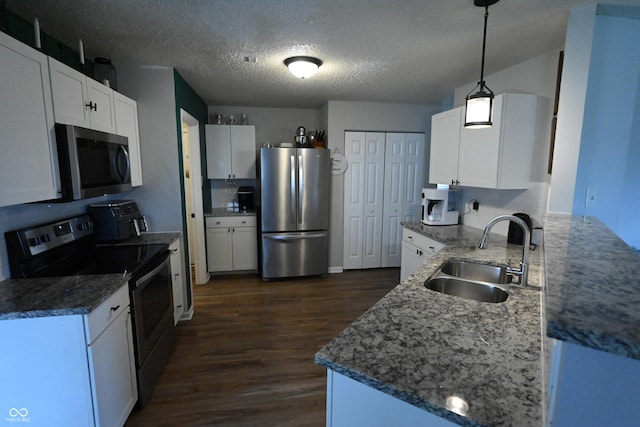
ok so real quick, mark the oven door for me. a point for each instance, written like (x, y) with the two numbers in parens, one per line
(151, 305)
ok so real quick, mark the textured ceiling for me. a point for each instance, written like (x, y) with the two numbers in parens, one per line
(409, 51)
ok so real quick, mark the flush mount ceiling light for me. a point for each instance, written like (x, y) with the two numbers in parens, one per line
(303, 66)
(479, 105)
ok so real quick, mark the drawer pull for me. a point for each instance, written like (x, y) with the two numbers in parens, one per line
(115, 308)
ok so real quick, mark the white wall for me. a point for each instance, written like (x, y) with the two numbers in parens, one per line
(573, 89)
(609, 148)
(367, 116)
(159, 198)
(537, 76)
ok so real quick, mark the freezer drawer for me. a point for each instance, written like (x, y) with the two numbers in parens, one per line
(295, 254)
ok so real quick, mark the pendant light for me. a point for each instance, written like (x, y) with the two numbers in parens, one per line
(303, 66)
(479, 105)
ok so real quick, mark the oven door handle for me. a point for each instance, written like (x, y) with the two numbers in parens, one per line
(164, 259)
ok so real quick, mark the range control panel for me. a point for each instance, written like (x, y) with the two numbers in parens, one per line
(48, 236)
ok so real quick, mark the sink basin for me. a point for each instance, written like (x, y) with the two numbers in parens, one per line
(477, 272)
(478, 291)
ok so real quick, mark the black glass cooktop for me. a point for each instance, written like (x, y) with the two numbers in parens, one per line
(122, 259)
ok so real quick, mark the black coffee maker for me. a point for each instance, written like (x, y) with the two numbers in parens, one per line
(516, 234)
(245, 198)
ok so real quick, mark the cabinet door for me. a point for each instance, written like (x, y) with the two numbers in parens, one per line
(394, 187)
(243, 152)
(445, 141)
(411, 260)
(177, 278)
(126, 114)
(218, 151)
(102, 114)
(70, 96)
(112, 363)
(219, 249)
(245, 249)
(28, 163)
(479, 153)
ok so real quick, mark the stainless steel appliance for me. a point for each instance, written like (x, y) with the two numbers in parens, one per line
(91, 163)
(67, 248)
(117, 220)
(294, 212)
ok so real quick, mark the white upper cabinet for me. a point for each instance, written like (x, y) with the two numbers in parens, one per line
(445, 145)
(28, 164)
(231, 151)
(126, 114)
(79, 100)
(497, 157)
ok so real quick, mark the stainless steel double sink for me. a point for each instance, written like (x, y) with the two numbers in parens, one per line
(471, 280)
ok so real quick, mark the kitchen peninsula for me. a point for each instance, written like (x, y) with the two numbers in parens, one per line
(450, 361)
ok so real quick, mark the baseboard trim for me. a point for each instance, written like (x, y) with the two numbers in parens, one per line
(333, 270)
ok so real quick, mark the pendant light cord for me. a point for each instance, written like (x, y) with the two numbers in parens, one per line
(484, 44)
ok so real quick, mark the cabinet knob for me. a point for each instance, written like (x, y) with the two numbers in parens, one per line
(92, 106)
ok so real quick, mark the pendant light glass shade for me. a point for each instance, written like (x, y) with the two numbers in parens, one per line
(478, 114)
(303, 66)
(479, 105)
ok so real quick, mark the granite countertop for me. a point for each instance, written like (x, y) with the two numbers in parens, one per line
(69, 295)
(422, 346)
(592, 289)
(229, 212)
(56, 296)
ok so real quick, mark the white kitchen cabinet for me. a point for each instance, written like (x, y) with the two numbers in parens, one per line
(177, 278)
(592, 388)
(354, 404)
(79, 100)
(126, 114)
(28, 164)
(445, 146)
(231, 243)
(498, 157)
(76, 370)
(382, 188)
(231, 151)
(416, 250)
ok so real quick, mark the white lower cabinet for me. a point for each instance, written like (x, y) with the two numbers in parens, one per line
(76, 370)
(354, 404)
(231, 243)
(592, 388)
(416, 250)
(177, 278)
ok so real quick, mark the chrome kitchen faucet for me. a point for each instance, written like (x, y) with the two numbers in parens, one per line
(523, 272)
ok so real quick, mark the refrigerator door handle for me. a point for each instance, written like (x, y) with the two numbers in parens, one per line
(293, 194)
(296, 236)
(300, 188)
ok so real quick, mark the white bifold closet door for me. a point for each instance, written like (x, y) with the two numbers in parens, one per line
(382, 188)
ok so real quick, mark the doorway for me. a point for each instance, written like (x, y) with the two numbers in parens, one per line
(194, 212)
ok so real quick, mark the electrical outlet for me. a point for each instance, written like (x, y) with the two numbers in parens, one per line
(591, 198)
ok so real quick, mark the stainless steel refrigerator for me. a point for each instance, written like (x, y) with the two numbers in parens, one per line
(294, 212)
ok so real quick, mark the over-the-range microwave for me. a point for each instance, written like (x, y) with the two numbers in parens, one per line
(91, 163)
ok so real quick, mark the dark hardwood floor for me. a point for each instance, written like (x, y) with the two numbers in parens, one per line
(247, 356)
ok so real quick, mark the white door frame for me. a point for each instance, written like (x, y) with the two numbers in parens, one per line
(199, 259)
